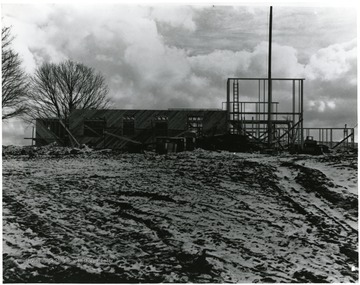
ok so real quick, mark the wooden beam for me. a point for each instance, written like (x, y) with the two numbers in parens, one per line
(68, 131)
(123, 138)
(339, 143)
(260, 78)
(264, 113)
(44, 129)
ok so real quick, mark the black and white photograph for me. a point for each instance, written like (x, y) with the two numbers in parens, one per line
(179, 142)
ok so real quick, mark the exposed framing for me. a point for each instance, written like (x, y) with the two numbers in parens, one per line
(253, 118)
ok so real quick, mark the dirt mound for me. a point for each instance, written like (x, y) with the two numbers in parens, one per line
(51, 150)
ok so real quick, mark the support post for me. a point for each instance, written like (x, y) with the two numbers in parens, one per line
(252, 125)
(269, 84)
(228, 105)
(302, 112)
(293, 101)
(331, 138)
(326, 133)
(263, 103)
(299, 112)
(70, 134)
(346, 135)
(258, 105)
(288, 136)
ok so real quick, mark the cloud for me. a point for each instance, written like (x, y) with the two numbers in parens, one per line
(181, 16)
(181, 56)
(321, 105)
(334, 61)
(331, 91)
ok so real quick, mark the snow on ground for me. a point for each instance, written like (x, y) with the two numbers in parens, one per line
(339, 171)
(187, 217)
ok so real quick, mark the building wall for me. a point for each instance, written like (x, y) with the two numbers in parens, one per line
(213, 123)
(49, 131)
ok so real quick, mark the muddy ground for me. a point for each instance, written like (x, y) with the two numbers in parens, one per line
(188, 217)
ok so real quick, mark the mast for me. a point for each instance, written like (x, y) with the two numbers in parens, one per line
(270, 85)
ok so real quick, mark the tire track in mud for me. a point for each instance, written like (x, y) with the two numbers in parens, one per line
(308, 181)
(323, 218)
(185, 263)
(345, 238)
(236, 176)
(202, 219)
(314, 180)
(226, 213)
(54, 233)
(185, 258)
(124, 205)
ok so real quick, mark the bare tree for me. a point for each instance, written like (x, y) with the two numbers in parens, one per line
(57, 89)
(14, 80)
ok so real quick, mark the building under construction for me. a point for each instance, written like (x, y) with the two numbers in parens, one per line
(241, 124)
(259, 113)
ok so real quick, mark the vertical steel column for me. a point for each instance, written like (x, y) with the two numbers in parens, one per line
(269, 84)
(290, 133)
(293, 109)
(258, 103)
(263, 103)
(241, 110)
(326, 132)
(228, 104)
(293, 101)
(345, 136)
(302, 112)
(259, 110)
(252, 125)
(331, 138)
(299, 113)
(242, 125)
(233, 102)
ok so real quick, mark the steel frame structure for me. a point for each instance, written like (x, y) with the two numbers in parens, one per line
(333, 137)
(261, 118)
(253, 118)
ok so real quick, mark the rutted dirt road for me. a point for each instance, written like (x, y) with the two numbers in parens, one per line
(186, 217)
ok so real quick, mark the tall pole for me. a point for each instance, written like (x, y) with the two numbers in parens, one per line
(228, 105)
(269, 84)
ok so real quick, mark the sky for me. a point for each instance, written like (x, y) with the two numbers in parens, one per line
(176, 56)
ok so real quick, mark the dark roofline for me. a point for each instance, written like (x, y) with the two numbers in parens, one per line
(162, 110)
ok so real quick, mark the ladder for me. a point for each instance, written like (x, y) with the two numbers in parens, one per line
(236, 100)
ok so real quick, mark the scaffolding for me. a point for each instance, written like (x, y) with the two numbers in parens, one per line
(258, 119)
(333, 137)
(282, 119)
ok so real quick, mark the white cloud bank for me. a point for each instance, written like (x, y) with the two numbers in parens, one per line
(144, 71)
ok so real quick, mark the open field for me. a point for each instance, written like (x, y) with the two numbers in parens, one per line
(187, 217)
